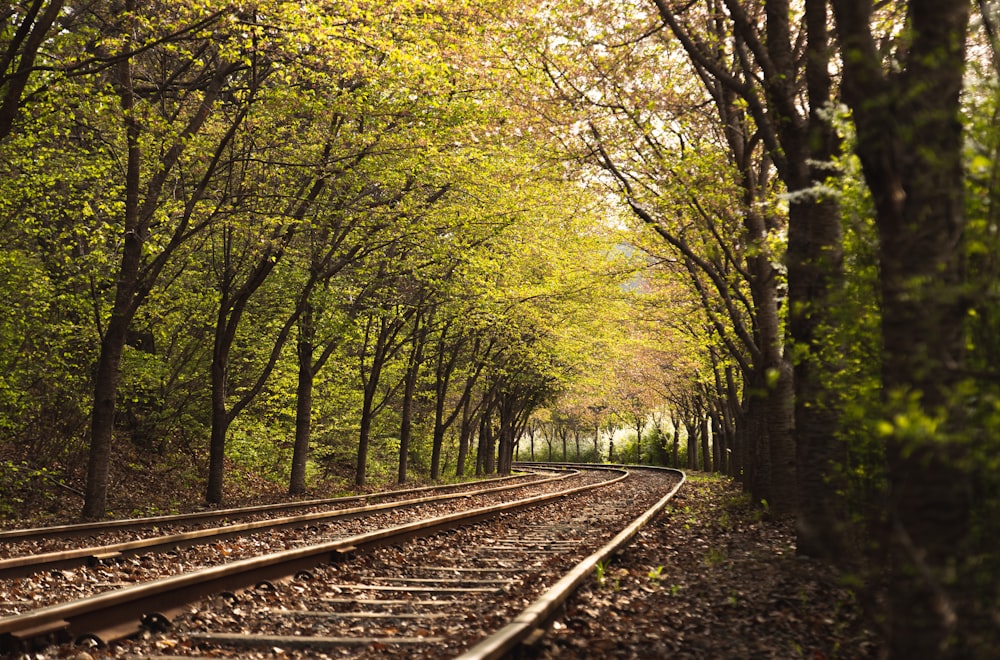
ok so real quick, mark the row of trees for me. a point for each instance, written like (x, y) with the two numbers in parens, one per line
(308, 211)
(356, 235)
(801, 170)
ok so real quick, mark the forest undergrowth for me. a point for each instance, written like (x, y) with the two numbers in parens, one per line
(149, 485)
(711, 578)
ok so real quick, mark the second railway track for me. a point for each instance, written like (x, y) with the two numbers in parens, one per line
(319, 520)
(426, 588)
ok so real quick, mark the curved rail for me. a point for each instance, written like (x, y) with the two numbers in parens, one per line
(540, 613)
(122, 612)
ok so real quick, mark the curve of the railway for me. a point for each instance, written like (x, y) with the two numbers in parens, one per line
(477, 573)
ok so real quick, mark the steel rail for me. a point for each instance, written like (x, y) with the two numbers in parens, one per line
(24, 565)
(82, 529)
(119, 613)
(537, 616)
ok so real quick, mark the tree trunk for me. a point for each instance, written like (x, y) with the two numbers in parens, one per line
(718, 444)
(406, 410)
(639, 425)
(464, 438)
(303, 403)
(103, 418)
(113, 341)
(734, 460)
(692, 443)
(910, 145)
(364, 438)
(406, 422)
(490, 450)
(779, 444)
(706, 456)
(220, 427)
(507, 410)
(482, 443)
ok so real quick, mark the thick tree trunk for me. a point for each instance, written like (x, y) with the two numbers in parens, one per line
(691, 425)
(910, 145)
(815, 279)
(779, 444)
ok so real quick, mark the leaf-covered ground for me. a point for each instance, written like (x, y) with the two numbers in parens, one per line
(709, 579)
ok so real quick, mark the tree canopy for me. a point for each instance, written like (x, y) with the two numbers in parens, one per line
(366, 241)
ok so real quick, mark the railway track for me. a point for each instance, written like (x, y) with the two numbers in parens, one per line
(31, 561)
(55, 537)
(431, 587)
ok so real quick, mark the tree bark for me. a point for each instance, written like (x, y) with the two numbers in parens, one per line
(113, 341)
(406, 410)
(464, 438)
(910, 146)
(690, 425)
(706, 456)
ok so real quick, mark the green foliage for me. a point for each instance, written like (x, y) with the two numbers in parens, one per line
(22, 485)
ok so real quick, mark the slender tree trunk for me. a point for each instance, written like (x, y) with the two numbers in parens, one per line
(506, 435)
(718, 444)
(406, 423)
(103, 418)
(464, 438)
(490, 450)
(303, 403)
(639, 425)
(364, 438)
(113, 342)
(706, 456)
(734, 460)
(481, 444)
(220, 427)
(406, 411)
